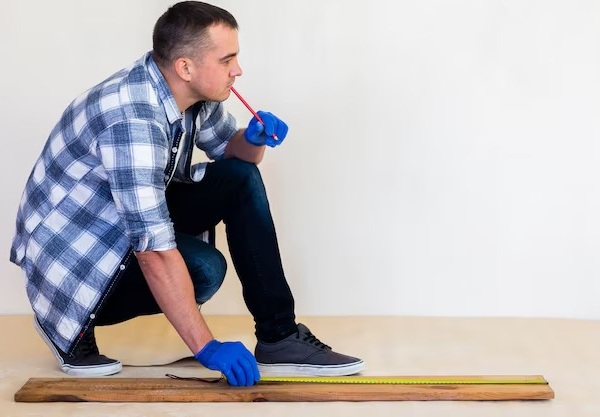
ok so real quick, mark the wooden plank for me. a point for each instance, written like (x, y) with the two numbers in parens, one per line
(174, 390)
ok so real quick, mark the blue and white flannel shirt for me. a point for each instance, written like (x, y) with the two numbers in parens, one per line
(97, 192)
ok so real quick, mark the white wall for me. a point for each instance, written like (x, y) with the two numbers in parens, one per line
(442, 156)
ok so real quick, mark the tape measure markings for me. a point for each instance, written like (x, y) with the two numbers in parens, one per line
(511, 380)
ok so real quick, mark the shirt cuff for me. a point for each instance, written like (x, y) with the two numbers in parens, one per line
(159, 238)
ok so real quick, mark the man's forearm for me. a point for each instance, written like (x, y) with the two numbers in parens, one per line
(240, 148)
(171, 285)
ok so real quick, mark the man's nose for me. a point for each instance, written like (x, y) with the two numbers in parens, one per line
(236, 71)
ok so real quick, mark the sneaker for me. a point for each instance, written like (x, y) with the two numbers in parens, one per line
(303, 354)
(85, 361)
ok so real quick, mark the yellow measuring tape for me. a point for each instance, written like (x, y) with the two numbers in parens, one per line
(418, 380)
(391, 380)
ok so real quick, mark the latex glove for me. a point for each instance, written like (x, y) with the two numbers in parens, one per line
(259, 134)
(232, 359)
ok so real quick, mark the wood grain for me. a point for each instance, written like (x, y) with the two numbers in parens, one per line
(172, 390)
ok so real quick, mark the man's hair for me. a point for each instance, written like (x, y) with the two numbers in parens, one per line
(183, 30)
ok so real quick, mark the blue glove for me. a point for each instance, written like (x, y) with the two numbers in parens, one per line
(232, 359)
(259, 134)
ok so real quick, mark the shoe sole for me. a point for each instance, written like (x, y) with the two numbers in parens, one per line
(295, 369)
(83, 371)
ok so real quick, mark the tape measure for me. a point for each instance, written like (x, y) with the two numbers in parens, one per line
(417, 380)
(391, 380)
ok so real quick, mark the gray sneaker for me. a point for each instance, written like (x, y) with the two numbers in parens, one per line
(303, 354)
(86, 361)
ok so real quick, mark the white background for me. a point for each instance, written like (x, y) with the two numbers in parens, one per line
(442, 159)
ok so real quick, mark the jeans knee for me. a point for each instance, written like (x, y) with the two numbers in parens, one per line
(246, 173)
(206, 265)
(208, 275)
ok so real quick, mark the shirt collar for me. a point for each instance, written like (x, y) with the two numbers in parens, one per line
(164, 92)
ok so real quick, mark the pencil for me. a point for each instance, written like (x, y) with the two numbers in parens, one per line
(251, 110)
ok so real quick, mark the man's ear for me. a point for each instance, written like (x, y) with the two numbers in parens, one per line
(183, 68)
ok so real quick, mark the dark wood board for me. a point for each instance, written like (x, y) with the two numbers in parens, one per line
(177, 390)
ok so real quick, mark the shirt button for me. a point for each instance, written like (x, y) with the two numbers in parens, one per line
(174, 149)
(92, 316)
(122, 267)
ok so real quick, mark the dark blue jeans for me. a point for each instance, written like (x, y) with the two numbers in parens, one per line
(231, 191)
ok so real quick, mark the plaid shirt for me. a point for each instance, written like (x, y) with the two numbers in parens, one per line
(97, 192)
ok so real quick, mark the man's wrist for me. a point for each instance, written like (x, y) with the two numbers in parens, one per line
(207, 351)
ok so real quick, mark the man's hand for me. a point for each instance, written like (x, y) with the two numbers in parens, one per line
(232, 359)
(259, 134)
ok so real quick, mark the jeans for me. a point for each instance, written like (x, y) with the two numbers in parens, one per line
(231, 191)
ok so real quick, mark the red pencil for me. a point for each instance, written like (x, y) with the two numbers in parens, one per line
(251, 110)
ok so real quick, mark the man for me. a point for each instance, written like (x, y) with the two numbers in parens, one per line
(108, 226)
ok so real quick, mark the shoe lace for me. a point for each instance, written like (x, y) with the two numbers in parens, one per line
(312, 339)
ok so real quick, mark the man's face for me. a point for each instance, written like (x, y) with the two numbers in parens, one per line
(215, 70)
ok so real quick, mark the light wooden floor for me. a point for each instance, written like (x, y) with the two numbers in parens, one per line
(566, 352)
